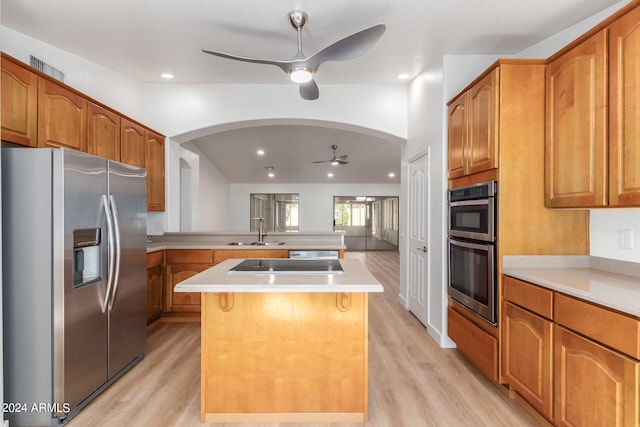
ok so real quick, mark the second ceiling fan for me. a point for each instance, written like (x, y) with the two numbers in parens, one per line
(301, 68)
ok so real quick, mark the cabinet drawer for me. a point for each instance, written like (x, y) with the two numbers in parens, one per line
(611, 328)
(189, 256)
(155, 258)
(532, 297)
(477, 345)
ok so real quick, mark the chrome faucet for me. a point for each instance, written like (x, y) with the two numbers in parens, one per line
(261, 232)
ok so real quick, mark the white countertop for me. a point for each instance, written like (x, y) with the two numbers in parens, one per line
(311, 245)
(576, 277)
(356, 278)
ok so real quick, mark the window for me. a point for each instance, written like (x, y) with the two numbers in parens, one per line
(280, 212)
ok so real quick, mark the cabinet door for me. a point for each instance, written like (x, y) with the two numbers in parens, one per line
(155, 285)
(457, 138)
(103, 132)
(155, 172)
(576, 132)
(19, 104)
(594, 386)
(182, 301)
(482, 122)
(133, 144)
(62, 117)
(624, 111)
(527, 356)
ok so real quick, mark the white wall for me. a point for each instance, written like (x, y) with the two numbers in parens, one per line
(604, 227)
(315, 209)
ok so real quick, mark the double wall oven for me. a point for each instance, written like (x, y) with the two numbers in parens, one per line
(472, 248)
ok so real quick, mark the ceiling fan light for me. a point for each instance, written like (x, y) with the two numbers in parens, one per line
(335, 163)
(301, 74)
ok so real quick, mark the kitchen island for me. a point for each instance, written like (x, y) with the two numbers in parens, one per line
(289, 347)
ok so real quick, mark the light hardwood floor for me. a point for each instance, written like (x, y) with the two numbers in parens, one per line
(412, 381)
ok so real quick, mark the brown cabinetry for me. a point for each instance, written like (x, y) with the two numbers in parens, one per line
(473, 128)
(155, 285)
(133, 144)
(155, 171)
(575, 362)
(38, 111)
(624, 135)
(595, 386)
(182, 264)
(62, 117)
(19, 104)
(592, 140)
(103, 132)
(527, 348)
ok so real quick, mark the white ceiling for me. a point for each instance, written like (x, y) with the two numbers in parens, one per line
(143, 38)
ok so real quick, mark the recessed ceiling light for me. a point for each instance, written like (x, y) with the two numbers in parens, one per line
(271, 174)
(260, 152)
(166, 75)
(391, 174)
(330, 174)
(403, 76)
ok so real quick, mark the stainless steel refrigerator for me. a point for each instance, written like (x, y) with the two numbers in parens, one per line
(74, 279)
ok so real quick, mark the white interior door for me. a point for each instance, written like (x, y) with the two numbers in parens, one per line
(417, 232)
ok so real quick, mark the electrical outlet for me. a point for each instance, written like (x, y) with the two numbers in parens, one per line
(625, 238)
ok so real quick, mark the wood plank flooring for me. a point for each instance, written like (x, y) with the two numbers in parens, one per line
(412, 381)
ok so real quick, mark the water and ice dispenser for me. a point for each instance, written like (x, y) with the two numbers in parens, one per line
(86, 256)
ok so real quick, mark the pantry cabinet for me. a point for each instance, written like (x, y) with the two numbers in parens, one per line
(19, 104)
(62, 117)
(473, 128)
(592, 140)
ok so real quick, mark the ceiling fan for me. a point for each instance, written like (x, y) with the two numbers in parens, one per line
(301, 68)
(335, 160)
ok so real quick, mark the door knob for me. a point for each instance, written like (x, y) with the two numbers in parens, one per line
(423, 249)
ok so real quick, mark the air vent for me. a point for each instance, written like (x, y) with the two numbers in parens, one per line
(39, 64)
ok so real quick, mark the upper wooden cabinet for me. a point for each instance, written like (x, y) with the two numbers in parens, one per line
(38, 111)
(576, 132)
(473, 128)
(155, 171)
(19, 104)
(624, 111)
(133, 144)
(103, 132)
(62, 117)
(592, 137)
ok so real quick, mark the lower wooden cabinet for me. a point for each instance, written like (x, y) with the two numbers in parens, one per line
(527, 357)
(594, 386)
(575, 362)
(474, 343)
(155, 285)
(182, 264)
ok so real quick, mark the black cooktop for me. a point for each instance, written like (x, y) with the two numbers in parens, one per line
(288, 266)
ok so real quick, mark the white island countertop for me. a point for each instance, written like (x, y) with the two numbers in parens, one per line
(355, 278)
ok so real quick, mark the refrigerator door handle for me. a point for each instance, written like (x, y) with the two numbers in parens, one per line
(116, 233)
(111, 253)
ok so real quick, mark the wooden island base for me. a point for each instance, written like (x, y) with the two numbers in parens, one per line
(284, 357)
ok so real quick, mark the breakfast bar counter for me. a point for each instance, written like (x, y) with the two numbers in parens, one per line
(284, 345)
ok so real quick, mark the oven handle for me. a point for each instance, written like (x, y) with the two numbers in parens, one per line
(488, 246)
(473, 202)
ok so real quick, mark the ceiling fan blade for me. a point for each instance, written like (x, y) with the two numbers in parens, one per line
(320, 161)
(343, 157)
(283, 65)
(348, 48)
(309, 90)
